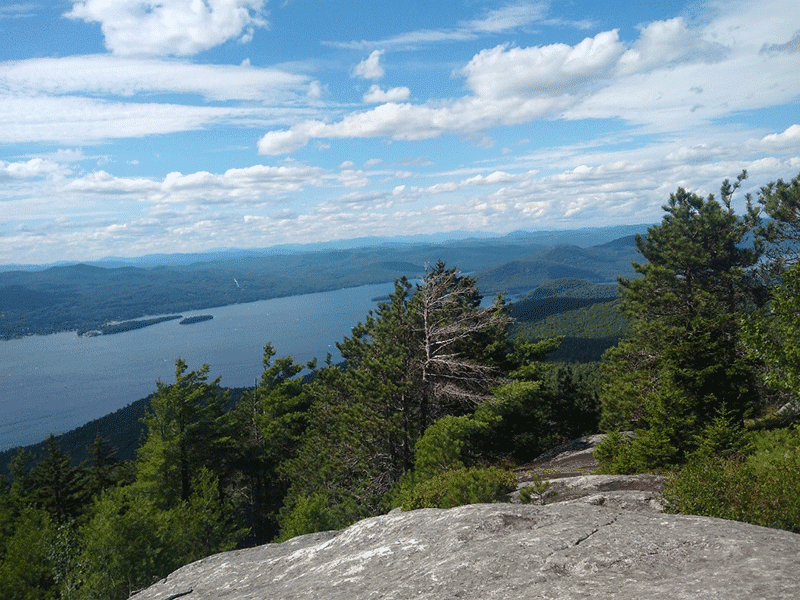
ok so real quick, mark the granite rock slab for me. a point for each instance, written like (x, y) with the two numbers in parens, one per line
(560, 551)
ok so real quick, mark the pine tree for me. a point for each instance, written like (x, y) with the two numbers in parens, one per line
(59, 488)
(103, 468)
(263, 431)
(174, 511)
(684, 360)
(26, 573)
(781, 202)
(458, 343)
(773, 334)
(182, 422)
(415, 358)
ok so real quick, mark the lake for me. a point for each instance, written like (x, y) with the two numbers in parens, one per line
(54, 383)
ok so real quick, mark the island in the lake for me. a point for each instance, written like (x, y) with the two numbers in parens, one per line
(110, 328)
(196, 319)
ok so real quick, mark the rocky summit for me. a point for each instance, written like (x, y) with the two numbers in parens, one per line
(565, 550)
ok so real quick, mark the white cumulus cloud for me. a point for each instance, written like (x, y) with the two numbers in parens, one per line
(370, 68)
(788, 139)
(664, 43)
(35, 167)
(557, 68)
(375, 95)
(170, 27)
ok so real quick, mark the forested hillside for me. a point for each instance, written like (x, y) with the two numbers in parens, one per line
(597, 264)
(586, 315)
(440, 397)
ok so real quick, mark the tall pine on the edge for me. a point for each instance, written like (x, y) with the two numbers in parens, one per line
(415, 359)
(182, 424)
(684, 363)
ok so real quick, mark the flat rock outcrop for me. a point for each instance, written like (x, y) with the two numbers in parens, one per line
(575, 457)
(558, 551)
(569, 471)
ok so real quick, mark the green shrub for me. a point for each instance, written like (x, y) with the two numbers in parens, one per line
(445, 446)
(723, 437)
(534, 493)
(321, 511)
(309, 515)
(762, 488)
(462, 486)
(442, 446)
(647, 450)
(614, 453)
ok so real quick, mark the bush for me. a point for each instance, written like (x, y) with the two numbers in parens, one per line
(615, 453)
(309, 515)
(462, 486)
(321, 511)
(762, 488)
(445, 446)
(652, 449)
(534, 493)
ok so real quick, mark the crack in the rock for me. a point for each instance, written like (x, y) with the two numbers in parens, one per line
(593, 531)
(561, 569)
(179, 594)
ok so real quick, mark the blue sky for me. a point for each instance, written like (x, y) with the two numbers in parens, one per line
(132, 127)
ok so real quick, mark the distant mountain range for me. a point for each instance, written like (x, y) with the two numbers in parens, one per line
(86, 297)
(580, 237)
(598, 264)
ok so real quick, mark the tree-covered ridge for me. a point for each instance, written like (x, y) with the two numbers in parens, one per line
(561, 296)
(597, 264)
(587, 332)
(586, 315)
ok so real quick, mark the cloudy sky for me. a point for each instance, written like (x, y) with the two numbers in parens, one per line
(130, 127)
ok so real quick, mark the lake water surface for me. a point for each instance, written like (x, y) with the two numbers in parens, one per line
(54, 383)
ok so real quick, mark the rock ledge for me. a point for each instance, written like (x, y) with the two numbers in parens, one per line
(503, 552)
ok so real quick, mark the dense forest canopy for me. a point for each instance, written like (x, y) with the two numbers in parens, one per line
(440, 395)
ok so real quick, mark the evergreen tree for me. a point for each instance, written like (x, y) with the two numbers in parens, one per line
(59, 488)
(173, 512)
(781, 202)
(350, 454)
(183, 423)
(131, 540)
(104, 469)
(684, 360)
(26, 573)
(773, 334)
(459, 343)
(382, 372)
(415, 359)
(542, 406)
(263, 431)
